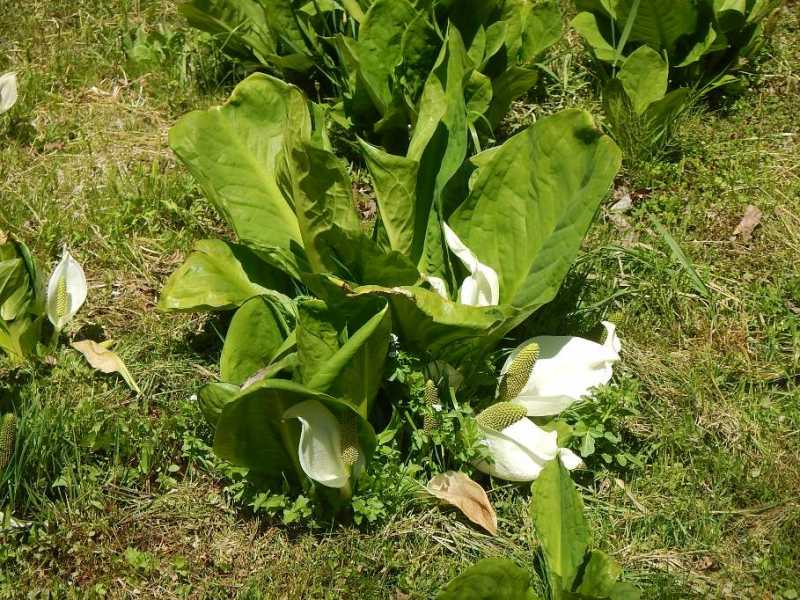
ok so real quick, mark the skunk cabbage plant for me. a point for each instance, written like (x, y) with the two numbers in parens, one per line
(701, 40)
(523, 207)
(373, 57)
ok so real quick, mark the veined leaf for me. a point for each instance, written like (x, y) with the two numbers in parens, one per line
(491, 579)
(344, 354)
(233, 152)
(533, 201)
(557, 513)
(217, 275)
(257, 330)
(644, 75)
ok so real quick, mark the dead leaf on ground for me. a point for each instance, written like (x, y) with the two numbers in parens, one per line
(102, 358)
(750, 220)
(460, 491)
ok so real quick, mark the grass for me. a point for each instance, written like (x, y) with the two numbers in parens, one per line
(130, 501)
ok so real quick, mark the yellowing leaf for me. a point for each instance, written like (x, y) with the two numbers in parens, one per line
(105, 360)
(460, 491)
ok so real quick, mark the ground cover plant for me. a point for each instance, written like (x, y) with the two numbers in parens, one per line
(689, 483)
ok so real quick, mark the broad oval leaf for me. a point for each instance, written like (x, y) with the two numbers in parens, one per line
(644, 75)
(233, 151)
(491, 579)
(217, 275)
(257, 331)
(533, 201)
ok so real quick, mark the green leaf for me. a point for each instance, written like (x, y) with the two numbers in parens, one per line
(439, 144)
(19, 338)
(213, 397)
(394, 179)
(217, 276)
(600, 575)
(730, 14)
(360, 260)
(257, 330)
(542, 30)
(533, 201)
(644, 75)
(660, 24)
(240, 24)
(680, 257)
(426, 322)
(343, 354)
(233, 151)
(323, 198)
(490, 579)
(586, 25)
(379, 47)
(557, 513)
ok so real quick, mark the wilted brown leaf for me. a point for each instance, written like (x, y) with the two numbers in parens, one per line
(750, 220)
(460, 491)
(105, 360)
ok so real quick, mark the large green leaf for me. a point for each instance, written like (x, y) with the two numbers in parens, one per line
(323, 199)
(394, 179)
(217, 275)
(587, 25)
(491, 579)
(240, 24)
(257, 330)
(533, 201)
(542, 30)
(379, 48)
(439, 144)
(233, 152)
(644, 75)
(557, 513)
(660, 24)
(343, 352)
(426, 322)
(213, 397)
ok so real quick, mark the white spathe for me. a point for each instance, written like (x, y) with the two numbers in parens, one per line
(482, 285)
(437, 285)
(567, 369)
(521, 451)
(76, 289)
(8, 91)
(320, 448)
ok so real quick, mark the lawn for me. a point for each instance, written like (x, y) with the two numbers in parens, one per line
(695, 491)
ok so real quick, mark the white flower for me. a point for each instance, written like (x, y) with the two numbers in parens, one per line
(567, 368)
(518, 447)
(328, 449)
(438, 285)
(8, 91)
(66, 291)
(482, 285)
